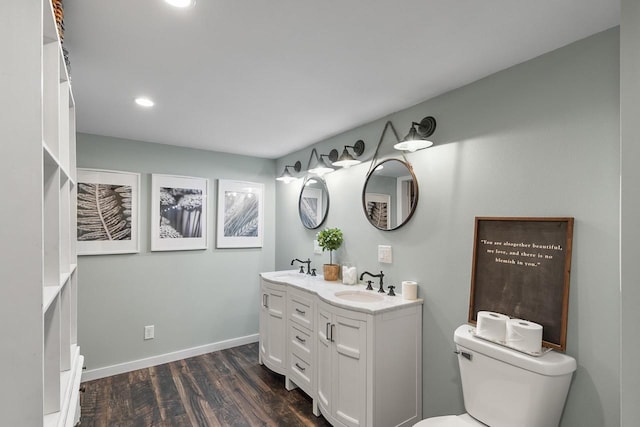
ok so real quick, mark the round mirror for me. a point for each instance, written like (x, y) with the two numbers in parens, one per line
(313, 204)
(390, 194)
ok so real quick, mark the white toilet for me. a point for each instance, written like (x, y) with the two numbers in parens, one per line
(506, 388)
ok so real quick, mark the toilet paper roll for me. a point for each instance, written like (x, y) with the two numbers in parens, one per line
(409, 289)
(524, 335)
(492, 326)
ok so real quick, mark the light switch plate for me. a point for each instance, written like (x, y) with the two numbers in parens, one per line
(384, 254)
(316, 247)
(149, 332)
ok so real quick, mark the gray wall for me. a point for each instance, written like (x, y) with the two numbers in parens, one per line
(539, 139)
(630, 210)
(192, 297)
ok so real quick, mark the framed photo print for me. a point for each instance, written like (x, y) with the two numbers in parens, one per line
(240, 214)
(378, 209)
(178, 212)
(107, 212)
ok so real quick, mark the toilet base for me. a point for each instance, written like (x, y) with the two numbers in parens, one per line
(464, 420)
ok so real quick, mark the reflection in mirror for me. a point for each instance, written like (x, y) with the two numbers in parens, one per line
(390, 194)
(313, 204)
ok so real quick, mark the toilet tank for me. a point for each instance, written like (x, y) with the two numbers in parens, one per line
(506, 388)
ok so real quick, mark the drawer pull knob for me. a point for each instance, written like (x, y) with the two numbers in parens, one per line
(300, 311)
(300, 367)
(464, 354)
(302, 340)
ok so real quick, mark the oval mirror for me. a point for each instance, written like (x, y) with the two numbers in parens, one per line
(313, 204)
(390, 194)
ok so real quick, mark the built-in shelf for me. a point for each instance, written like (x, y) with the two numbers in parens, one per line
(49, 294)
(64, 278)
(37, 121)
(51, 420)
(49, 29)
(48, 157)
(70, 388)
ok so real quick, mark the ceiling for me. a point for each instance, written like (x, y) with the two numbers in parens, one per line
(269, 77)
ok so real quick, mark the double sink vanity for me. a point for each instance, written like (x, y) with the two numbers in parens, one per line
(356, 353)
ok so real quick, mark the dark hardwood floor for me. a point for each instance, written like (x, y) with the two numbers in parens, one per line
(224, 388)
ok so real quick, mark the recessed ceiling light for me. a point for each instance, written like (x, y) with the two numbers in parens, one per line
(181, 3)
(144, 101)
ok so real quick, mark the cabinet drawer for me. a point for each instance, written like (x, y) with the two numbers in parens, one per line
(300, 342)
(301, 372)
(301, 310)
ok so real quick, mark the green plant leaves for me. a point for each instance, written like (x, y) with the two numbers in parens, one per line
(330, 239)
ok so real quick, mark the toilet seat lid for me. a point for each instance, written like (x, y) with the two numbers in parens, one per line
(463, 420)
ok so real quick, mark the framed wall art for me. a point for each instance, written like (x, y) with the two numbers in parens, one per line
(107, 212)
(378, 209)
(178, 212)
(240, 214)
(521, 268)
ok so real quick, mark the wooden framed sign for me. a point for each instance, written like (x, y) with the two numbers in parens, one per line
(521, 268)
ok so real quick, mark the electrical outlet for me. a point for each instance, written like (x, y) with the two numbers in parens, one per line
(384, 254)
(316, 248)
(149, 332)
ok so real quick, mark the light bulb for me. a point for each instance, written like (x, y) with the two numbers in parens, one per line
(181, 3)
(143, 101)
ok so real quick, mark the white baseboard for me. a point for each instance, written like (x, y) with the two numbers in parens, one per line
(107, 371)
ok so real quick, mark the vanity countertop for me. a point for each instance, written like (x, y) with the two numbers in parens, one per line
(326, 291)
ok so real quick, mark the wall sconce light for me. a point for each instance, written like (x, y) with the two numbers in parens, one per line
(346, 160)
(416, 139)
(286, 176)
(319, 166)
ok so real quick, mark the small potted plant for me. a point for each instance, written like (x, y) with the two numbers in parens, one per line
(330, 239)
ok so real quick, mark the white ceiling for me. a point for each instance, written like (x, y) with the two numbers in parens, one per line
(268, 77)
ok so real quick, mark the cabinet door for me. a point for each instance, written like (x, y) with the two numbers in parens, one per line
(277, 332)
(323, 362)
(263, 329)
(349, 364)
(273, 329)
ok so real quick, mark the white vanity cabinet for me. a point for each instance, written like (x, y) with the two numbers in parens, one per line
(360, 362)
(273, 326)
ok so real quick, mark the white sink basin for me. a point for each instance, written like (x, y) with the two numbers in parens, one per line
(359, 296)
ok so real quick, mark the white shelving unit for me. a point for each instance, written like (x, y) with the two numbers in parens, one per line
(40, 361)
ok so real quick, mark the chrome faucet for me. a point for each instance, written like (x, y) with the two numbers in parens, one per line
(380, 276)
(308, 262)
